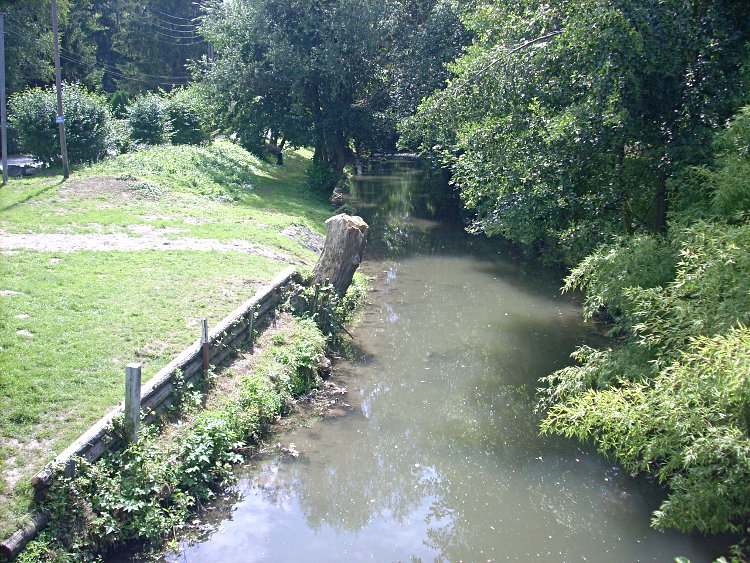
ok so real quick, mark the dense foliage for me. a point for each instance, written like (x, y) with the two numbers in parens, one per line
(674, 399)
(148, 117)
(105, 44)
(565, 121)
(188, 114)
(323, 74)
(88, 123)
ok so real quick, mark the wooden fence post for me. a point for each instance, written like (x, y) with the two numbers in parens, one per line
(204, 343)
(132, 401)
(250, 327)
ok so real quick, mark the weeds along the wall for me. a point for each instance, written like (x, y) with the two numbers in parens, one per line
(145, 492)
(330, 311)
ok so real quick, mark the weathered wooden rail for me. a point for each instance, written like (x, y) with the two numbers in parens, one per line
(159, 392)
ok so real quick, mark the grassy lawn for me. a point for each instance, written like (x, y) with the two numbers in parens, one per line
(72, 318)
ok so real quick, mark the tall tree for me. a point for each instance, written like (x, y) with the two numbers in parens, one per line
(565, 121)
(306, 70)
(428, 34)
(105, 44)
(28, 43)
(149, 43)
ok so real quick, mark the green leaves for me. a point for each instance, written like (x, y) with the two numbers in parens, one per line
(88, 123)
(563, 120)
(688, 426)
(148, 116)
(673, 400)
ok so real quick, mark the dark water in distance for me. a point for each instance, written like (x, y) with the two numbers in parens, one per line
(441, 459)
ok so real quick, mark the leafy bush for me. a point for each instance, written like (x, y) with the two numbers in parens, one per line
(721, 191)
(120, 141)
(605, 275)
(327, 308)
(148, 117)
(689, 427)
(674, 399)
(88, 123)
(301, 354)
(321, 178)
(710, 293)
(731, 197)
(119, 104)
(140, 493)
(188, 114)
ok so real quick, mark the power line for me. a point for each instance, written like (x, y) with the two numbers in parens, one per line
(73, 57)
(170, 16)
(77, 58)
(151, 22)
(154, 78)
(178, 36)
(176, 44)
(166, 25)
(119, 74)
(167, 22)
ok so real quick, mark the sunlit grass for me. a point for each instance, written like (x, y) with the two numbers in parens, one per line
(76, 319)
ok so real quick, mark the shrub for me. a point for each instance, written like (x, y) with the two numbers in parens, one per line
(119, 104)
(732, 178)
(88, 123)
(321, 178)
(689, 427)
(188, 114)
(120, 136)
(330, 311)
(642, 261)
(148, 117)
(673, 400)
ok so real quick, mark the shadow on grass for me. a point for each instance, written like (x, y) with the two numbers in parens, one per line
(283, 190)
(38, 193)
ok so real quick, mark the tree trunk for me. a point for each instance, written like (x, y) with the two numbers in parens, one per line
(342, 253)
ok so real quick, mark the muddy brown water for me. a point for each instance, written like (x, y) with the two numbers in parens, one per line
(440, 458)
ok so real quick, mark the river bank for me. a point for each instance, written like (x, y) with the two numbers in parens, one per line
(440, 456)
(172, 235)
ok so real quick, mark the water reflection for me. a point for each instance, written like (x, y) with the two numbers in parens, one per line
(441, 460)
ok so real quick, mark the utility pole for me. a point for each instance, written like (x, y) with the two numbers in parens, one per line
(60, 119)
(3, 116)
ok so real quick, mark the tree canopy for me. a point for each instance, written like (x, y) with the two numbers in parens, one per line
(564, 121)
(325, 73)
(107, 45)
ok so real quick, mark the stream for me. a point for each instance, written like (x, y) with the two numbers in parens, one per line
(439, 457)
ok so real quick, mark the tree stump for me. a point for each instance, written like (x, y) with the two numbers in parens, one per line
(342, 252)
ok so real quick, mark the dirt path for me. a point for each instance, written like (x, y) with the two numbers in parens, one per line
(124, 242)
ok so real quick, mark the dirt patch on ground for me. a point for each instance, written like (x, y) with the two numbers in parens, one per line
(15, 466)
(90, 188)
(305, 236)
(154, 240)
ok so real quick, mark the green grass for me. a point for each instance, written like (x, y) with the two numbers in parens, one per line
(79, 317)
